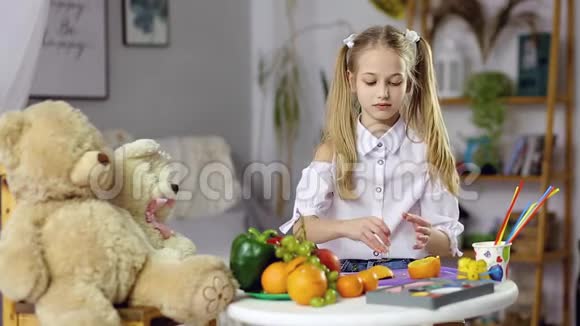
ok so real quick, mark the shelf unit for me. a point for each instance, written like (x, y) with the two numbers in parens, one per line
(550, 102)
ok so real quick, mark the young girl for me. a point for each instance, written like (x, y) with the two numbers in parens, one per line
(383, 182)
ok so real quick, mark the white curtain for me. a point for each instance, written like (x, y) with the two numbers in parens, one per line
(22, 25)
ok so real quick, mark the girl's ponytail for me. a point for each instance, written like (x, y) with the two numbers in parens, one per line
(341, 125)
(425, 113)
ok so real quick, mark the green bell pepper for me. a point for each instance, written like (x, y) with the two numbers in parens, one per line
(250, 255)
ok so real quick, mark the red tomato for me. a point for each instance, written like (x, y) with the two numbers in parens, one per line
(329, 259)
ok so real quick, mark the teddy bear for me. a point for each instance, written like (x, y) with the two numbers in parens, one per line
(145, 185)
(75, 255)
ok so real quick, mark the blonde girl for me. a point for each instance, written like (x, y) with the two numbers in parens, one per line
(382, 186)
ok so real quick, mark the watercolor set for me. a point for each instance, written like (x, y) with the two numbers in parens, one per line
(430, 293)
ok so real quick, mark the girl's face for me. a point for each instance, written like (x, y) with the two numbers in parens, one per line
(380, 85)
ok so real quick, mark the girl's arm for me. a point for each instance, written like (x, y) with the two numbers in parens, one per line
(433, 239)
(438, 244)
(320, 230)
(438, 227)
(365, 229)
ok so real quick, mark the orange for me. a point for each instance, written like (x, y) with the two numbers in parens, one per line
(437, 264)
(382, 271)
(370, 280)
(424, 268)
(306, 282)
(274, 278)
(350, 286)
(294, 263)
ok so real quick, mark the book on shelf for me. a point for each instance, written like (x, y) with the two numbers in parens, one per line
(526, 156)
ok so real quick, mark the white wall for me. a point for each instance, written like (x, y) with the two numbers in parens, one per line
(318, 50)
(198, 85)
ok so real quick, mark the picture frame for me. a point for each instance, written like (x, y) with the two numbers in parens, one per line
(75, 45)
(146, 23)
(533, 64)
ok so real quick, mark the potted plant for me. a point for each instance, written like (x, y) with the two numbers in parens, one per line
(392, 8)
(485, 90)
(278, 74)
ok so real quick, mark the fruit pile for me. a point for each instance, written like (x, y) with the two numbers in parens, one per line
(275, 265)
(310, 276)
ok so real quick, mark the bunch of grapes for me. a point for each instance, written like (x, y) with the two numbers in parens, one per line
(291, 247)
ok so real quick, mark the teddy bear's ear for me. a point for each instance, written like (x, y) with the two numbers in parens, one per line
(138, 148)
(12, 125)
(93, 168)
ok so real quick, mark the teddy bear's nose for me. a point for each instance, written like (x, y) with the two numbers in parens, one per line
(103, 158)
(174, 187)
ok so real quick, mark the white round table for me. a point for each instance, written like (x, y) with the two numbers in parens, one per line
(357, 312)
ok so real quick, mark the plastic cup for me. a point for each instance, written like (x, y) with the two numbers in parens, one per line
(497, 258)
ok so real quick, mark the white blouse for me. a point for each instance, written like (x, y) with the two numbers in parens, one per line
(391, 178)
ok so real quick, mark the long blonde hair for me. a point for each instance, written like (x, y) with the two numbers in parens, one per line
(422, 112)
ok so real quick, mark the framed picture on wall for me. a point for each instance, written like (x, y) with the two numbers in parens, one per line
(146, 23)
(73, 59)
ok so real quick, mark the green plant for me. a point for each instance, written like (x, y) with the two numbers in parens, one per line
(392, 8)
(281, 71)
(485, 90)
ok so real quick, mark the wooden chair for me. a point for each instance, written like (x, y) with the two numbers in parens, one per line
(22, 314)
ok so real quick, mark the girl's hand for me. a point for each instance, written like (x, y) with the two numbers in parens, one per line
(371, 230)
(423, 229)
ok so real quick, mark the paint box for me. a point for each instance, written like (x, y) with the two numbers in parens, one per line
(430, 293)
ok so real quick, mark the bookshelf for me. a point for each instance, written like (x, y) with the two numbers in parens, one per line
(554, 100)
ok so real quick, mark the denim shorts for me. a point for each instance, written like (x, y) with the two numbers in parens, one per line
(357, 265)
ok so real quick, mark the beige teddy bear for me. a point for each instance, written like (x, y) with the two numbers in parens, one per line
(75, 255)
(144, 187)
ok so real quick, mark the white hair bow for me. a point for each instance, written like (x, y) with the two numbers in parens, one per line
(349, 41)
(412, 36)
